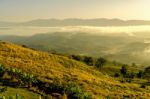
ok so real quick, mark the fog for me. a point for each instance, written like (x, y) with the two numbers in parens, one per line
(28, 30)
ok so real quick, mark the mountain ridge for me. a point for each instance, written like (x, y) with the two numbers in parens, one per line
(77, 22)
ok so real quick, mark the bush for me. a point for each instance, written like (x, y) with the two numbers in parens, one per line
(140, 74)
(123, 70)
(17, 96)
(4, 89)
(143, 86)
(89, 60)
(75, 92)
(100, 62)
(147, 73)
(77, 57)
(2, 70)
(72, 90)
(117, 75)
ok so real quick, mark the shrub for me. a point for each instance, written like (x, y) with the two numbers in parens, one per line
(117, 75)
(147, 73)
(2, 70)
(4, 89)
(89, 60)
(75, 92)
(77, 57)
(100, 62)
(72, 90)
(124, 70)
(143, 86)
(17, 96)
(28, 79)
(140, 74)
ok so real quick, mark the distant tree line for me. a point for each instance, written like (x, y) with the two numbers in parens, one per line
(129, 76)
(97, 62)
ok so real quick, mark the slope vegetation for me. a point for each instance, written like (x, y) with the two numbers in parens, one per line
(49, 67)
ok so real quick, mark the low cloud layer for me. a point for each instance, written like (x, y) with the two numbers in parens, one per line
(28, 31)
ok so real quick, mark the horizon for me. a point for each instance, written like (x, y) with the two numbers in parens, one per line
(23, 10)
(61, 19)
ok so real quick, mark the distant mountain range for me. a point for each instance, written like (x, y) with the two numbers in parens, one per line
(77, 22)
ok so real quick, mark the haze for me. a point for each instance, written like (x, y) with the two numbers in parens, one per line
(23, 10)
(28, 31)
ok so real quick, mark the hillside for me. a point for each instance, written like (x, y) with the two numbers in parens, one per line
(23, 92)
(49, 67)
(122, 48)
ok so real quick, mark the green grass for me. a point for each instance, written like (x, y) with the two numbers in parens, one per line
(23, 92)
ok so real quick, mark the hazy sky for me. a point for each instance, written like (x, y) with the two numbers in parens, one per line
(22, 10)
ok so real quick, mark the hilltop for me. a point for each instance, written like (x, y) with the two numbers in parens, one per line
(49, 67)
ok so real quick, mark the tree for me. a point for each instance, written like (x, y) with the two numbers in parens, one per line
(100, 62)
(2, 70)
(77, 57)
(124, 70)
(140, 74)
(116, 75)
(147, 73)
(88, 60)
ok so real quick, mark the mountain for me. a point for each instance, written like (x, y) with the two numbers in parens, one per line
(78, 22)
(49, 67)
(5, 24)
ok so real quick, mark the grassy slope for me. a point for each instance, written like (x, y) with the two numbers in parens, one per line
(23, 92)
(49, 66)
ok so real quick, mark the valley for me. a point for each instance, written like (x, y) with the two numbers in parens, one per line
(113, 46)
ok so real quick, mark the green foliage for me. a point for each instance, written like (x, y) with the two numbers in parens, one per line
(77, 57)
(143, 86)
(72, 90)
(100, 62)
(89, 60)
(14, 73)
(75, 92)
(4, 89)
(86, 59)
(17, 96)
(117, 75)
(28, 79)
(147, 73)
(2, 70)
(127, 76)
(140, 74)
(124, 70)
(21, 77)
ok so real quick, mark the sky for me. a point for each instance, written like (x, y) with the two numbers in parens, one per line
(23, 10)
